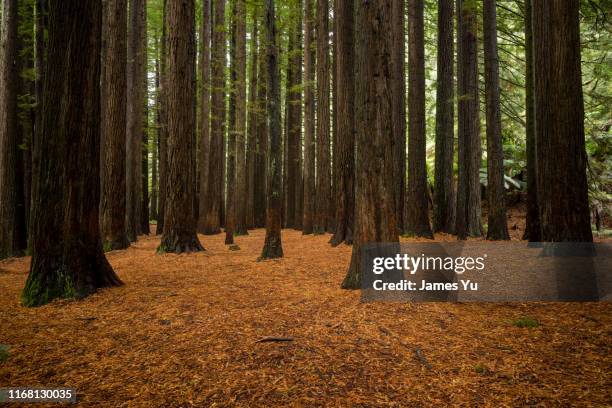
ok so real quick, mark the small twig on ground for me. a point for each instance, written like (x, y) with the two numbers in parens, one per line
(421, 357)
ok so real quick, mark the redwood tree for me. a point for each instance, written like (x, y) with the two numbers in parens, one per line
(309, 122)
(180, 225)
(345, 139)
(322, 221)
(497, 225)
(444, 186)
(559, 118)
(204, 128)
(273, 246)
(468, 221)
(240, 124)
(417, 220)
(67, 256)
(375, 210)
(251, 152)
(12, 213)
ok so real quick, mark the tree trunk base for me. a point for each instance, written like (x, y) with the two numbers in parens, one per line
(272, 249)
(340, 236)
(179, 245)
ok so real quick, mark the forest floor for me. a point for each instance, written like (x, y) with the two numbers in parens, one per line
(184, 331)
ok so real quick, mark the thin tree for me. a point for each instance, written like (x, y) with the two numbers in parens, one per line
(135, 116)
(112, 171)
(230, 215)
(497, 225)
(204, 128)
(309, 122)
(180, 228)
(417, 220)
(468, 222)
(345, 190)
(559, 118)
(273, 246)
(72, 263)
(398, 93)
(214, 191)
(375, 205)
(241, 112)
(533, 230)
(12, 217)
(163, 126)
(144, 143)
(251, 153)
(444, 186)
(322, 222)
(261, 181)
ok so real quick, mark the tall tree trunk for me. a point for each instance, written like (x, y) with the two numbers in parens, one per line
(295, 129)
(398, 93)
(261, 186)
(309, 122)
(323, 188)
(155, 151)
(135, 115)
(417, 221)
(145, 227)
(444, 187)
(345, 139)
(180, 228)
(559, 118)
(251, 153)
(497, 225)
(67, 256)
(204, 140)
(214, 190)
(230, 215)
(533, 231)
(241, 112)
(12, 218)
(112, 171)
(375, 204)
(163, 129)
(468, 222)
(273, 247)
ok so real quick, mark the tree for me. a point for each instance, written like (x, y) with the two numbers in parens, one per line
(468, 221)
(67, 256)
(180, 228)
(417, 220)
(261, 180)
(230, 215)
(273, 246)
(204, 140)
(533, 230)
(251, 153)
(13, 233)
(322, 221)
(112, 171)
(398, 93)
(375, 205)
(240, 127)
(497, 226)
(309, 123)
(135, 116)
(163, 128)
(210, 221)
(345, 190)
(559, 120)
(444, 186)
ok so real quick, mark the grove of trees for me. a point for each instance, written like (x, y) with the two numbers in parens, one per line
(368, 120)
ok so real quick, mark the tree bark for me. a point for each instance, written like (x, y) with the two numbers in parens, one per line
(113, 169)
(204, 128)
(322, 222)
(309, 122)
(230, 215)
(559, 118)
(214, 190)
(417, 221)
(273, 246)
(251, 153)
(241, 112)
(468, 222)
(180, 226)
(375, 204)
(497, 225)
(444, 186)
(261, 186)
(533, 231)
(12, 217)
(398, 93)
(67, 256)
(345, 189)
(163, 129)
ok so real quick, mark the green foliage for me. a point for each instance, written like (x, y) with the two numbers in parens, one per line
(526, 321)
